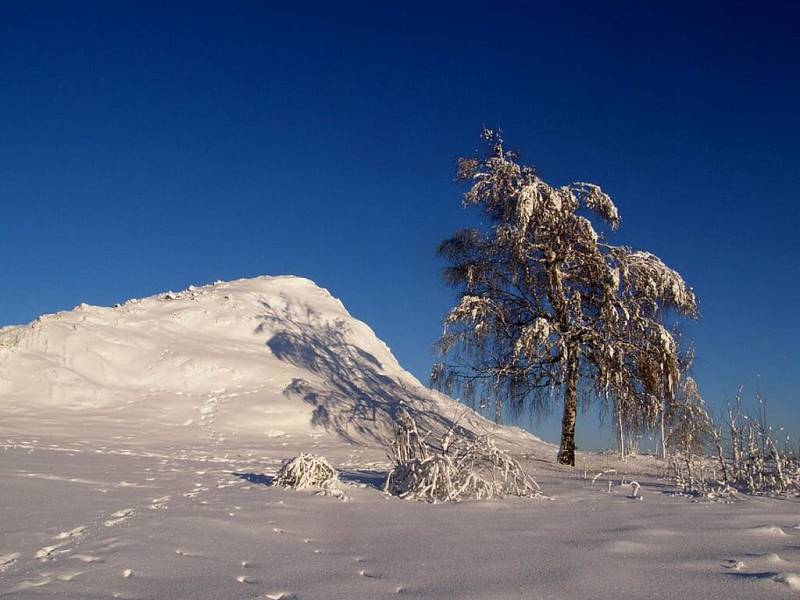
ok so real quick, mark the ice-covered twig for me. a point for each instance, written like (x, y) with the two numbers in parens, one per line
(635, 485)
(601, 473)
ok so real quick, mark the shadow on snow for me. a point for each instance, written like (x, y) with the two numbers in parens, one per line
(352, 397)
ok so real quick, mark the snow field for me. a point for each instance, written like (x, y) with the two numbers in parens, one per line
(138, 446)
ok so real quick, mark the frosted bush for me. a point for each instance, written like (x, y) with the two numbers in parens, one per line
(459, 468)
(748, 459)
(310, 472)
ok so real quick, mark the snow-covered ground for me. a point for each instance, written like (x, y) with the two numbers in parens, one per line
(138, 444)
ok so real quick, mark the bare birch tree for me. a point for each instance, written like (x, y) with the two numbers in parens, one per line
(545, 304)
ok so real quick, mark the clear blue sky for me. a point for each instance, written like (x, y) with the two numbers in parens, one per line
(149, 146)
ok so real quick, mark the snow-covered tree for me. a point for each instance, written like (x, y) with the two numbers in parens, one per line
(545, 303)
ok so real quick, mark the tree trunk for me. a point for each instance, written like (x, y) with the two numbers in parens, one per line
(663, 434)
(566, 453)
(621, 437)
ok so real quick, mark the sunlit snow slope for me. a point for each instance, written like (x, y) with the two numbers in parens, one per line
(270, 358)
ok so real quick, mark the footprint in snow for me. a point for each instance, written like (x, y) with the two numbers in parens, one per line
(48, 552)
(72, 533)
(7, 561)
(119, 517)
(159, 503)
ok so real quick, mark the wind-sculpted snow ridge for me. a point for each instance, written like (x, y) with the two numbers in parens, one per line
(269, 358)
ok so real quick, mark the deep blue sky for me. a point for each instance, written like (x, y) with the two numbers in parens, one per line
(146, 147)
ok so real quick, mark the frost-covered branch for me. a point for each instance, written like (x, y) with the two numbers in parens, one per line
(546, 304)
(461, 467)
(310, 472)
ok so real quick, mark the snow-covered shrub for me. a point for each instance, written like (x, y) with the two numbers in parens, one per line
(690, 430)
(757, 462)
(747, 458)
(309, 472)
(460, 468)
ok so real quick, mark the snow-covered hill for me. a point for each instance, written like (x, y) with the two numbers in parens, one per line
(251, 362)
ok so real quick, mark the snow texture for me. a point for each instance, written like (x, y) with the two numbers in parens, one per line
(138, 445)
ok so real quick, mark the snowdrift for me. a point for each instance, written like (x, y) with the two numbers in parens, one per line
(249, 360)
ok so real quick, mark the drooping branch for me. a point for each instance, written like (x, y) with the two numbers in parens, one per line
(540, 285)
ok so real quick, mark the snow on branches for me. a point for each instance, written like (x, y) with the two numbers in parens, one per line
(545, 302)
(310, 472)
(646, 278)
(459, 468)
(748, 457)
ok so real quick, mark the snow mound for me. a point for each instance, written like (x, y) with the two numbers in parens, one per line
(265, 359)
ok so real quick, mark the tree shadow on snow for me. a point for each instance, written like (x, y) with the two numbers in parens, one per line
(351, 396)
(373, 479)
